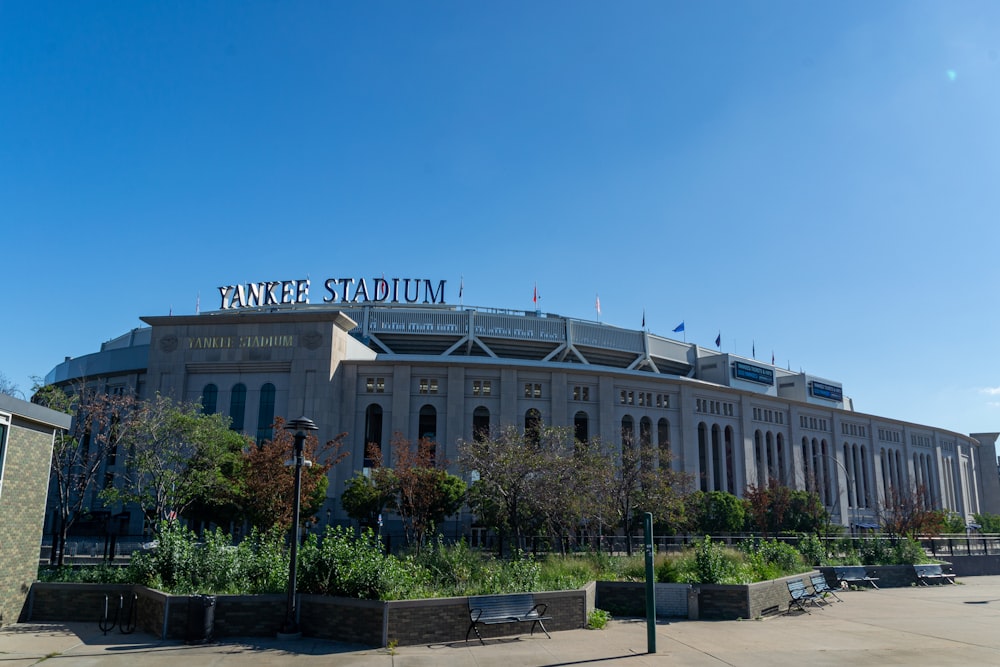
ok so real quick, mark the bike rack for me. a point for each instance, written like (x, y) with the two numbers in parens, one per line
(124, 618)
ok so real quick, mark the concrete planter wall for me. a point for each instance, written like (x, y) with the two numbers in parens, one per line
(369, 622)
(629, 599)
(693, 601)
(890, 576)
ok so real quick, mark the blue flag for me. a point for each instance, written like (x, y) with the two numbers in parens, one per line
(718, 341)
(679, 328)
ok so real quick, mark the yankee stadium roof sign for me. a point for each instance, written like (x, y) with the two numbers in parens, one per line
(343, 290)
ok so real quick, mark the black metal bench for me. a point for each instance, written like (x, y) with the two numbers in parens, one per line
(801, 595)
(854, 574)
(516, 608)
(822, 588)
(926, 573)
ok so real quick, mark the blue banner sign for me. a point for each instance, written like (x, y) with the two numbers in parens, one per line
(827, 391)
(759, 374)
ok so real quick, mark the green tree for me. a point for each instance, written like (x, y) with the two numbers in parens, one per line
(767, 506)
(569, 489)
(506, 463)
(79, 455)
(175, 457)
(636, 485)
(805, 513)
(716, 512)
(268, 484)
(366, 497)
(426, 493)
(907, 512)
(989, 523)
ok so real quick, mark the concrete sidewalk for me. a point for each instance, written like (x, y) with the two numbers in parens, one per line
(938, 625)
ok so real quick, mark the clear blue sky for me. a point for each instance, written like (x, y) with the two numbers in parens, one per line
(820, 180)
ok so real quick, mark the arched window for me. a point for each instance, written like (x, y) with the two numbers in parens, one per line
(771, 460)
(533, 426)
(703, 470)
(730, 456)
(718, 458)
(760, 458)
(373, 436)
(782, 461)
(581, 426)
(237, 406)
(663, 443)
(480, 424)
(265, 413)
(628, 432)
(209, 399)
(646, 442)
(807, 472)
(427, 428)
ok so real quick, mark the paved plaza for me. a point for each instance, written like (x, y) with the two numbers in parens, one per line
(938, 625)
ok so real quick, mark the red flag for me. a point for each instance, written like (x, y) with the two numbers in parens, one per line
(535, 297)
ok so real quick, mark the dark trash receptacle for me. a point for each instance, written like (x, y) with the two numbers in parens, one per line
(201, 619)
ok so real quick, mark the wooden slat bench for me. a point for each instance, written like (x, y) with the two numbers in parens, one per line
(926, 573)
(854, 574)
(516, 608)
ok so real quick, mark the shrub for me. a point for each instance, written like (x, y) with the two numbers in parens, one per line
(668, 570)
(812, 550)
(598, 619)
(711, 565)
(341, 564)
(908, 552)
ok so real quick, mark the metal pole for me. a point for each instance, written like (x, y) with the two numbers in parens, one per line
(650, 587)
(299, 425)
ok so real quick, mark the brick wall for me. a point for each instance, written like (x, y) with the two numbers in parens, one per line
(412, 622)
(343, 619)
(368, 622)
(717, 602)
(889, 576)
(629, 599)
(973, 566)
(22, 513)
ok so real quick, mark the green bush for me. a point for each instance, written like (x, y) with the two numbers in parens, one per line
(183, 564)
(711, 564)
(812, 549)
(341, 564)
(668, 570)
(598, 619)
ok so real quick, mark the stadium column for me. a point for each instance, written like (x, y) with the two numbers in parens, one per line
(458, 424)
(559, 400)
(747, 453)
(688, 428)
(401, 408)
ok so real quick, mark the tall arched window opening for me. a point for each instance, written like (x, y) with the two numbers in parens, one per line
(237, 406)
(265, 413)
(581, 426)
(533, 426)
(427, 429)
(373, 436)
(209, 399)
(480, 424)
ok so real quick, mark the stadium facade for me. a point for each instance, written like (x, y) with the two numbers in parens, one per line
(385, 356)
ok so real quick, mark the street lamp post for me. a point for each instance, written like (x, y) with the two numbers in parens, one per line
(847, 490)
(300, 426)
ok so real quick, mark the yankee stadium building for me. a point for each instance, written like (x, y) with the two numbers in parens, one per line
(376, 357)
